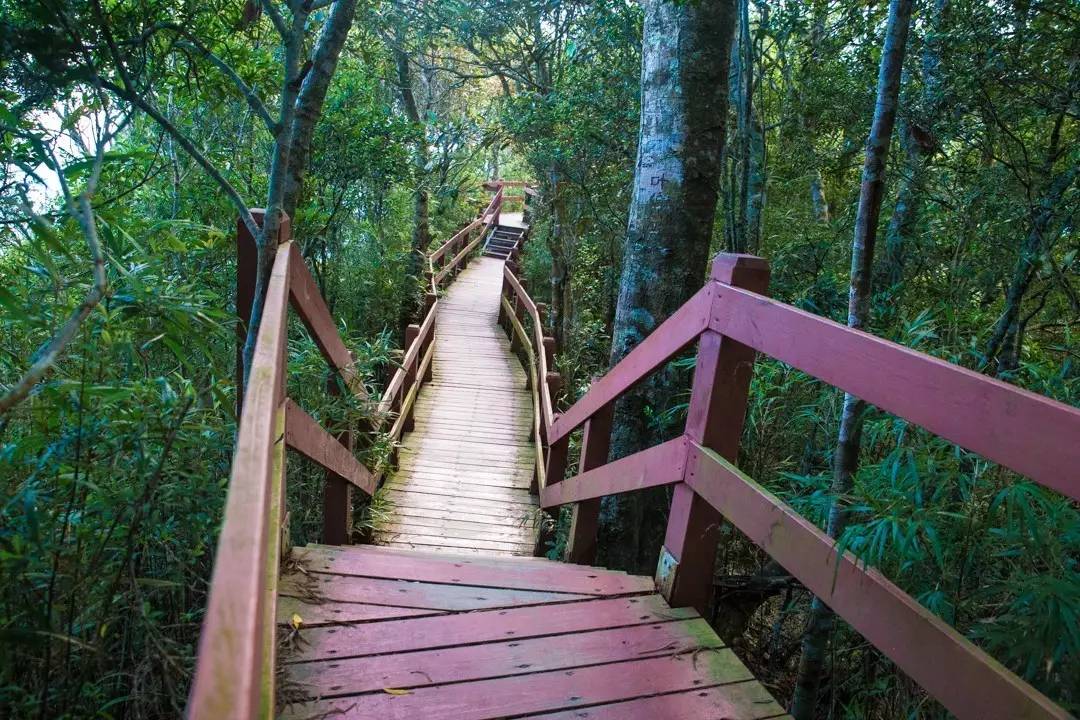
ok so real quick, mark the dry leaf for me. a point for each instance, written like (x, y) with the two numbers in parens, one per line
(395, 691)
(297, 621)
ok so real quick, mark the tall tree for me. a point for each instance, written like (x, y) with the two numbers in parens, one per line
(846, 457)
(684, 100)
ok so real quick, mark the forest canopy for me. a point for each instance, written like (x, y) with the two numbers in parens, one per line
(907, 168)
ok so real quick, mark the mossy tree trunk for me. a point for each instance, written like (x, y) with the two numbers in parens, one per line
(684, 98)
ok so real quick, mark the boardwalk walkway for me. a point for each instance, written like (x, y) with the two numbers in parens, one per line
(464, 470)
(439, 620)
(401, 634)
(450, 617)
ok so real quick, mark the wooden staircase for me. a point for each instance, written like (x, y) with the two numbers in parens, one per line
(503, 240)
(399, 634)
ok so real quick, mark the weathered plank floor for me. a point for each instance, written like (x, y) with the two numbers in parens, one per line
(462, 482)
(399, 634)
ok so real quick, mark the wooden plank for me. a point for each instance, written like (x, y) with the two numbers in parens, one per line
(477, 523)
(449, 478)
(737, 701)
(461, 490)
(440, 513)
(974, 686)
(427, 633)
(450, 526)
(337, 613)
(481, 451)
(352, 676)
(233, 657)
(464, 505)
(401, 593)
(541, 692)
(1029, 433)
(308, 438)
(438, 540)
(311, 307)
(425, 526)
(401, 564)
(662, 464)
(675, 333)
(421, 469)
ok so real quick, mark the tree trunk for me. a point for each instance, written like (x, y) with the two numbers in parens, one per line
(267, 238)
(909, 201)
(818, 199)
(811, 665)
(421, 235)
(560, 264)
(309, 104)
(1003, 345)
(684, 69)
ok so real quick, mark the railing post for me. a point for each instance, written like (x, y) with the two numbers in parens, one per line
(715, 420)
(504, 294)
(412, 332)
(337, 491)
(517, 308)
(425, 345)
(595, 443)
(549, 350)
(554, 468)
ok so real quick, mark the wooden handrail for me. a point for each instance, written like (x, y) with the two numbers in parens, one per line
(967, 681)
(547, 408)
(234, 674)
(674, 334)
(1029, 433)
(235, 668)
(1024, 431)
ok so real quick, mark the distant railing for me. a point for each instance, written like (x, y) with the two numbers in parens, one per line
(729, 319)
(234, 673)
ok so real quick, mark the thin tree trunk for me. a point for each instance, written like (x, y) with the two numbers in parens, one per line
(684, 98)
(909, 200)
(267, 238)
(560, 265)
(421, 235)
(1006, 329)
(811, 665)
(309, 104)
(818, 199)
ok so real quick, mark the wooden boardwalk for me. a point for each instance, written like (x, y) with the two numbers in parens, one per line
(447, 620)
(464, 471)
(398, 634)
(438, 619)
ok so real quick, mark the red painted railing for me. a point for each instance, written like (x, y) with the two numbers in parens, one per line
(234, 673)
(731, 319)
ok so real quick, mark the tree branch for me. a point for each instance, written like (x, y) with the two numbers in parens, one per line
(189, 147)
(46, 355)
(253, 99)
